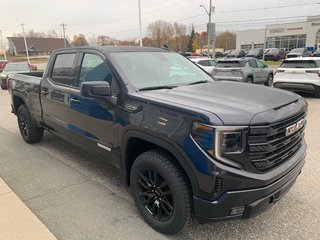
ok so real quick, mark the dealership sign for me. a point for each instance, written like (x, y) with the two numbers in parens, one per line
(276, 30)
(294, 28)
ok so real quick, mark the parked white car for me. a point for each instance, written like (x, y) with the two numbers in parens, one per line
(205, 63)
(299, 74)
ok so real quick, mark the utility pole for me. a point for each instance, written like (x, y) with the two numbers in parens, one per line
(64, 34)
(209, 26)
(140, 24)
(25, 42)
(2, 46)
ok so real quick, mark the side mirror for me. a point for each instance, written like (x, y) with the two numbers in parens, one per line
(95, 89)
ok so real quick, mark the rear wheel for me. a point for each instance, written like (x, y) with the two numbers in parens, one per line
(160, 192)
(317, 94)
(28, 130)
(269, 80)
(249, 80)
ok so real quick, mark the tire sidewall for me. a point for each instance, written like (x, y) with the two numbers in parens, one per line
(179, 215)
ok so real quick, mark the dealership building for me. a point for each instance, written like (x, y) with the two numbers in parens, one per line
(285, 35)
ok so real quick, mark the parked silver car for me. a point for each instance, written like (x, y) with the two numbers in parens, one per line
(298, 52)
(248, 70)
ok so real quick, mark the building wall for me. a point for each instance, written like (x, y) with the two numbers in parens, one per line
(249, 37)
(288, 35)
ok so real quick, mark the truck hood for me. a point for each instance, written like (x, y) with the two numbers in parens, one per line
(233, 103)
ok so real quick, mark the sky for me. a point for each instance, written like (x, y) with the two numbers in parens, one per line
(120, 19)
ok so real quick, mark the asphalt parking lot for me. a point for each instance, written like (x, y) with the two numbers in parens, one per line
(79, 197)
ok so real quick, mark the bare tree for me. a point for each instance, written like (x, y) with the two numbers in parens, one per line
(79, 40)
(180, 30)
(52, 33)
(226, 40)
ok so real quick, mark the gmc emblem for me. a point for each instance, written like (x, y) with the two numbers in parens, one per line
(294, 127)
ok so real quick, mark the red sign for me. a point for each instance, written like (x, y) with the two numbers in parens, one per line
(294, 28)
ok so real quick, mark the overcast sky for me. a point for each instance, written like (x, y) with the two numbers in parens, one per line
(119, 18)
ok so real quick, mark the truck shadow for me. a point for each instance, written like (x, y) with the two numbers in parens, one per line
(109, 176)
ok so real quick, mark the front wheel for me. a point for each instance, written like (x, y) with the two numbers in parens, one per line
(160, 192)
(28, 130)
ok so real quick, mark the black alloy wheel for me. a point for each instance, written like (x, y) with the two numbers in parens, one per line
(155, 195)
(23, 124)
(28, 130)
(160, 191)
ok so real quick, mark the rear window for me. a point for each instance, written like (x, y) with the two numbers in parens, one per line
(300, 64)
(230, 64)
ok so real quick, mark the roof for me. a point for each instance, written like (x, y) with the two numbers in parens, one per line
(39, 44)
(201, 59)
(302, 59)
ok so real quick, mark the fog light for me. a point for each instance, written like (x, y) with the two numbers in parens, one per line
(237, 211)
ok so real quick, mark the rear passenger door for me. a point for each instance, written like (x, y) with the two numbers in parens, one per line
(92, 120)
(256, 72)
(55, 92)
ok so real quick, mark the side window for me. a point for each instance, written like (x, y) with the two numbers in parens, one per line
(204, 63)
(93, 68)
(63, 70)
(253, 63)
(260, 64)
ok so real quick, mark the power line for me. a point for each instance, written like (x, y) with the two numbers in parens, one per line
(268, 8)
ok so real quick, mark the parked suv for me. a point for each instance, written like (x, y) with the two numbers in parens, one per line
(274, 54)
(299, 74)
(248, 70)
(256, 53)
(236, 54)
(205, 63)
(299, 52)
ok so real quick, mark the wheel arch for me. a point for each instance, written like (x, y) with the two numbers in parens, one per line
(135, 143)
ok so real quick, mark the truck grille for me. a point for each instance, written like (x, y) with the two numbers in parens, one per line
(269, 146)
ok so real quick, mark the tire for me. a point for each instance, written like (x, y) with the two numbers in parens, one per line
(161, 192)
(28, 130)
(317, 94)
(269, 80)
(3, 87)
(249, 80)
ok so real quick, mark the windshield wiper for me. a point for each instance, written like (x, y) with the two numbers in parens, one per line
(198, 82)
(156, 88)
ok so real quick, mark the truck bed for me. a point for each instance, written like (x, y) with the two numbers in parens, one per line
(28, 85)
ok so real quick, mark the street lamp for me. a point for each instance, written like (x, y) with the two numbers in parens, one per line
(25, 41)
(211, 9)
(140, 25)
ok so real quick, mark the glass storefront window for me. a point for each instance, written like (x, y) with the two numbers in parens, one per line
(288, 42)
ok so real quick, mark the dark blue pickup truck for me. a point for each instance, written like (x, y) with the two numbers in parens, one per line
(184, 143)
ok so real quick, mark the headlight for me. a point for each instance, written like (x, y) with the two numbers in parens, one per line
(221, 141)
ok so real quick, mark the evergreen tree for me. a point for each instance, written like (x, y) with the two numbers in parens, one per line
(191, 40)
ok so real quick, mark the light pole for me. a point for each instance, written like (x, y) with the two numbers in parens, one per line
(25, 41)
(264, 42)
(209, 27)
(140, 25)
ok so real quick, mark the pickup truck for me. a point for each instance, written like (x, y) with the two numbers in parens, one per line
(184, 143)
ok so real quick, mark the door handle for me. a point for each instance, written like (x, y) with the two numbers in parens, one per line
(44, 92)
(75, 100)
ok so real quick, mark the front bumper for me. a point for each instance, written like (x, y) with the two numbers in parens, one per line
(246, 203)
(303, 87)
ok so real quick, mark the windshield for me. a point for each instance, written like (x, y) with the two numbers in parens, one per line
(230, 64)
(297, 50)
(234, 52)
(155, 69)
(16, 67)
(300, 64)
(253, 52)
